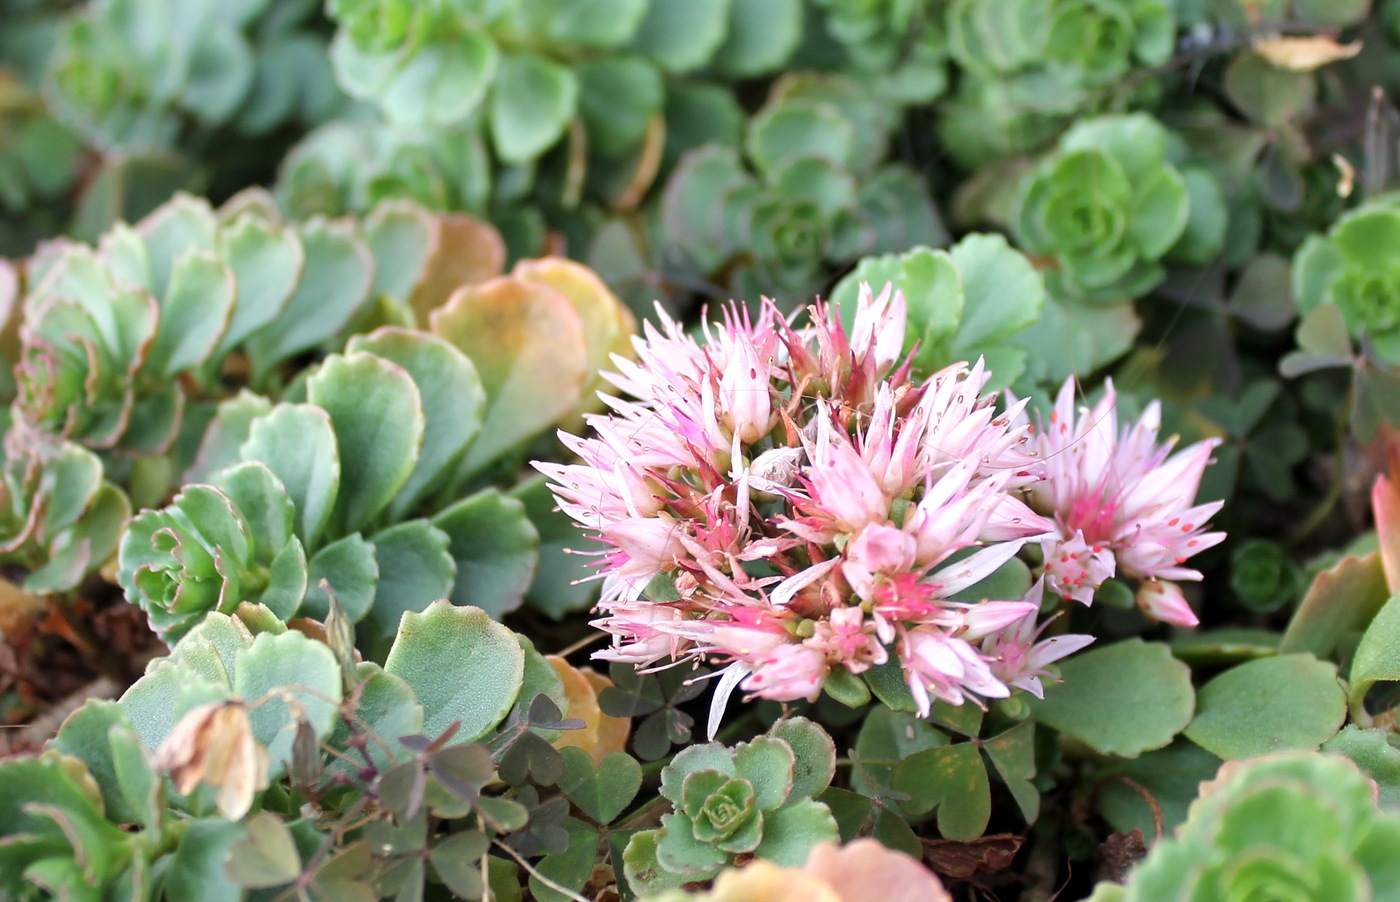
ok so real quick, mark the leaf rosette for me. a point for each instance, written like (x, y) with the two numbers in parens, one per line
(1355, 267)
(58, 516)
(200, 554)
(1299, 826)
(1107, 206)
(755, 798)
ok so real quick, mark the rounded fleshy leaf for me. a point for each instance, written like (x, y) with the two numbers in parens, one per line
(297, 443)
(335, 283)
(461, 665)
(1122, 699)
(378, 418)
(415, 569)
(532, 102)
(495, 547)
(1269, 705)
(285, 678)
(452, 401)
(682, 35)
(527, 343)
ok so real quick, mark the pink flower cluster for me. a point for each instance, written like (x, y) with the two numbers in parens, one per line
(786, 502)
(1120, 505)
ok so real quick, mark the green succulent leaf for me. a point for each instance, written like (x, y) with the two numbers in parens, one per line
(682, 35)
(197, 865)
(84, 735)
(335, 283)
(1121, 699)
(350, 567)
(790, 832)
(452, 401)
(194, 313)
(814, 755)
(462, 667)
(267, 262)
(297, 442)
(414, 568)
(799, 129)
(377, 415)
(1376, 657)
(495, 547)
(1268, 705)
(287, 679)
(531, 105)
(760, 38)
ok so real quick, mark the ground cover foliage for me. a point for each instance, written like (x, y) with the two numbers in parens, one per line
(660, 449)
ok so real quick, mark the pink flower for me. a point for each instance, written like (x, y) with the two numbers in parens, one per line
(1120, 503)
(781, 502)
(938, 667)
(1018, 659)
(789, 672)
(1165, 602)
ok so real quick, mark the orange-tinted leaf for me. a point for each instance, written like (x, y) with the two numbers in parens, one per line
(527, 342)
(467, 252)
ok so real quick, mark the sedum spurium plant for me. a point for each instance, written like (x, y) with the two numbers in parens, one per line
(1294, 826)
(1107, 206)
(133, 348)
(691, 151)
(277, 745)
(753, 799)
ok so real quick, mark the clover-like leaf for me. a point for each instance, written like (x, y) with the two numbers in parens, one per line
(602, 790)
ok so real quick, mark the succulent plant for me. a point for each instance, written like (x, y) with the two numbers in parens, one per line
(131, 74)
(212, 549)
(1289, 826)
(59, 518)
(1355, 268)
(898, 48)
(815, 194)
(526, 68)
(1029, 64)
(244, 714)
(332, 488)
(351, 166)
(753, 799)
(1107, 206)
(117, 339)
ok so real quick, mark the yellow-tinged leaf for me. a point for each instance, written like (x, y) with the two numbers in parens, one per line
(527, 342)
(602, 734)
(612, 731)
(607, 323)
(468, 251)
(1304, 54)
(583, 704)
